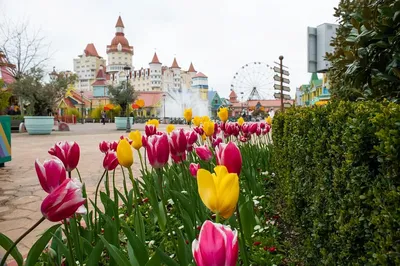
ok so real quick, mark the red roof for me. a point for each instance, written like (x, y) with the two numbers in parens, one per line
(68, 102)
(267, 103)
(232, 94)
(175, 64)
(5, 69)
(100, 73)
(119, 23)
(150, 98)
(155, 59)
(90, 50)
(200, 75)
(191, 68)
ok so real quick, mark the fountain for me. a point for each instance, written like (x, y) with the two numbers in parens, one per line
(176, 101)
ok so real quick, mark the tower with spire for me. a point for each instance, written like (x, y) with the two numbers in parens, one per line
(155, 73)
(119, 52)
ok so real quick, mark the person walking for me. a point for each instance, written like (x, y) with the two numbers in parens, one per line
(103, 117)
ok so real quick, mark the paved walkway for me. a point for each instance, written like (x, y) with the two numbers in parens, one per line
(20, 192)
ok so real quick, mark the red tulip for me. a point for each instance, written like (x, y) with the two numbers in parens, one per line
(157, 148)
(113, 145)
(68, 152)
(191, 138)
(199, 130)
(229, 155)
(258, 131)
(243, 138)
(51, 173)
(245, 128)
(150, 130)
(144, 141)
(110, 161)
(217, 245)
(104, 146)
(204, 153)
(216, 142)
(253, 128)
(178, 159)
(262, 125)
(64, 201)
(193, 168)
(178, 142)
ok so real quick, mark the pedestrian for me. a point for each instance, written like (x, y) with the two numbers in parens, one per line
(103, 117)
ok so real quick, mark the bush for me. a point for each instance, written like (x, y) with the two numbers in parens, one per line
(74, 111)
(96, 113)
(338, 183)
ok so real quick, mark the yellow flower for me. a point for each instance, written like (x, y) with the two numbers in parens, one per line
(187, 114)
(204, 137)
(208, 128)
(240, 121)
(140, 103)
(136, 138)
(219, 191)
(170, 128)
(269, 120)
(197, 121)
(124, 153)
(205, 119)
(154, 122)
(223, 114)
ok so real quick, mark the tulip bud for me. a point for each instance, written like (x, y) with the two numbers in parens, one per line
(217, 245)
(68, 152)
(208, 128)
(229, 155)
(258, 131)
(150, 130)
(204, 153)
(114, 145)
(157, 148)
(178, 159)
(262, 125)
(51, 173)
(191, 138)
(253, 128)
(193, 168)
(216, 142)
(199, 130)
(104, 146)
(178, 142)
(136, 138)
(125, 153)
(64, 201)
(110, 161)
(245, 128)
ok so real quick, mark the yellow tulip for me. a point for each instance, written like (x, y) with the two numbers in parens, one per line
(223, 114)
(269, 120)
(170, 128)
(208, 128)
(205, 119)
(140, 103)
(187, 114)
(154, 122)
(124, 153)
(197, 121)
(136, 138)
(204, 137)
(219, 191)
(240, 121)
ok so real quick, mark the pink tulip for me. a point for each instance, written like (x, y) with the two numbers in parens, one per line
(113, 145)
(51, 173)
(144, 141)
(236, 130)
(68, 152)
(64, 201)
(216, 142)
(178, 159)
(258, 131)
(150, 130)
(204, 153)
(243, 138)
(191, 137)
(199, 130)
(178, 142)
(229, 155)
(217, 245)
(110, 161)
(253, 128)
(245, 128)
(157, 148)
(104, 146)
(128, 139)
(262, 125)
(193, 168)
(222, 126)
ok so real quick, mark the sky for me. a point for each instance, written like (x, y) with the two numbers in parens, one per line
(218, 36)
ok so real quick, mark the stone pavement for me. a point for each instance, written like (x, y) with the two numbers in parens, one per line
(20, 192)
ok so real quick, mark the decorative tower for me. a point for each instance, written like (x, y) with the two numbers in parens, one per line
(233, 97)
(119, 52)
(176, 75)
(155, 73)
(200, 82)
(192, 71)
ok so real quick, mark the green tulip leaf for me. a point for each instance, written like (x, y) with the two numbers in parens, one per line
(6, 243)
(116, 254)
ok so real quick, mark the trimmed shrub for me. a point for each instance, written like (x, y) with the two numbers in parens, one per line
(337, 178)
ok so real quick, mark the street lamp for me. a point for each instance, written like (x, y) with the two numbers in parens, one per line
(127, 70)
(53, 74)
(82, 107)
(164, 96)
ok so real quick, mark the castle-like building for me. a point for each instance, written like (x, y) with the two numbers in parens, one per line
(95, 74)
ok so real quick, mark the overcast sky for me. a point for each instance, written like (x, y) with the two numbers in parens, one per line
(218, 36)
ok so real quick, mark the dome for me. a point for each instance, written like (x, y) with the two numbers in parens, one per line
(120, 39)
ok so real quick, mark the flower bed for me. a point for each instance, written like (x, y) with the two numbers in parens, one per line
(202, 199)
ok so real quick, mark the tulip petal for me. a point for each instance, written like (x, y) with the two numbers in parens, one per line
(212, 244)
(124, 153)
(207, 189)
(228, 193)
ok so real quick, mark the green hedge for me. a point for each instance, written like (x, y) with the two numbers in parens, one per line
(338, 182)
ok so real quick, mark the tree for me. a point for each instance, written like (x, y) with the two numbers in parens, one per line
(23, 47)
(121, 96)
(4, 97)
(366, 57)
(42, 97)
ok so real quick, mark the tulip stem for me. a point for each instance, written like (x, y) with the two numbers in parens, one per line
(245, 259)
(95, 203)
(68, 240)
(69, 175)
(217, 217)
(141, 159)
(3, 261)
(107, 184)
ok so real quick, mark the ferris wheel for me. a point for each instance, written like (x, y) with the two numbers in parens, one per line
(254, 81)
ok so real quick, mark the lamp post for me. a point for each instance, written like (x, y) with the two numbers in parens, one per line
(127, 70)
(53, 74)
(164, 96)
(82, 107)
